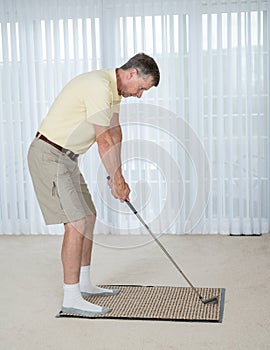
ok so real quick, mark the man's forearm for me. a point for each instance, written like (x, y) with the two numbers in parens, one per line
(116, 135)
(109, 148)
(109, 154)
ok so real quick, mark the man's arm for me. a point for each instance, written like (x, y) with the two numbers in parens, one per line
(116, 134)
(110, 155)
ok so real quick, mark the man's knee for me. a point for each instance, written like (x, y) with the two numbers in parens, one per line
(78, 226)
(84, 226)
(90, 223)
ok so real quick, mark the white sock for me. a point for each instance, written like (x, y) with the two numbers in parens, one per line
(73, 299)
(86, 284)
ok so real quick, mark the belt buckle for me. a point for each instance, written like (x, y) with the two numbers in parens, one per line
(70, 154)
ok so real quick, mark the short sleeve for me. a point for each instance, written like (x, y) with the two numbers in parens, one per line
(99, 106)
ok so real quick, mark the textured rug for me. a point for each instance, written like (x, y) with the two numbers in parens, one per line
(159, 303)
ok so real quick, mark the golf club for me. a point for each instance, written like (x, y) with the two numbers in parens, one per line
(212, 300)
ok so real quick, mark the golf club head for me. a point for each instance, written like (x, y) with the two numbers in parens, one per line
(213, 300)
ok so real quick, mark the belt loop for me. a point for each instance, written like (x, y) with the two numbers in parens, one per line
(38, 134)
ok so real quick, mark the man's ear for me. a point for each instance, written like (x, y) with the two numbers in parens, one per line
(132, 73)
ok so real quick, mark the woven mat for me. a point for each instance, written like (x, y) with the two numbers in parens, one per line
(159, 303)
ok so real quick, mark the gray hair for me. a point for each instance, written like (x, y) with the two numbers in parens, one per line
(145, 66)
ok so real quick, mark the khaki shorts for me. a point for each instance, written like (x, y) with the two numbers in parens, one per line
(60, 188)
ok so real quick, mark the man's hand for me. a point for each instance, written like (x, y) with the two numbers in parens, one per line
(119, 188)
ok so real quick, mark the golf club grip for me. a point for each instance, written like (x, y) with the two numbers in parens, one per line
(131, 207)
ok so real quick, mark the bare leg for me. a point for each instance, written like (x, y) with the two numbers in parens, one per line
(72, 250)
(88, 240)
(86, 286)
(71, 258)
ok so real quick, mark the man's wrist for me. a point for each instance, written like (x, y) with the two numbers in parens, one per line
(118, 176)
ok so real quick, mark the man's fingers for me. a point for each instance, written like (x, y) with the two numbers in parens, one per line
(119, 191)
(114, 194)
(121, 195)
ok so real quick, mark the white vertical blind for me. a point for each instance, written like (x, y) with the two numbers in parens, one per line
(196, 149)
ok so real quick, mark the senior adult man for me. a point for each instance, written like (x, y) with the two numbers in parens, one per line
(85, 111)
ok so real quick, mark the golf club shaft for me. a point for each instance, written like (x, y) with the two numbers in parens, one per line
(163, 248)
(205, 301)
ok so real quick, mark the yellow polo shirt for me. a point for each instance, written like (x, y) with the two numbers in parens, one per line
(90, 98)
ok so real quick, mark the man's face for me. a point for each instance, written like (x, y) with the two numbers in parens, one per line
(133, 85)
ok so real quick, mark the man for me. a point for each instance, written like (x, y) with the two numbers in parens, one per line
(85, 111)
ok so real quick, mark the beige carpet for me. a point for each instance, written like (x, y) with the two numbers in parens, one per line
(159, 303)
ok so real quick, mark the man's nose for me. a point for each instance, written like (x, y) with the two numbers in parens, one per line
(139, 94)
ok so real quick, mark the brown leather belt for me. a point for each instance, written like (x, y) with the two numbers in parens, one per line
(69, 153)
